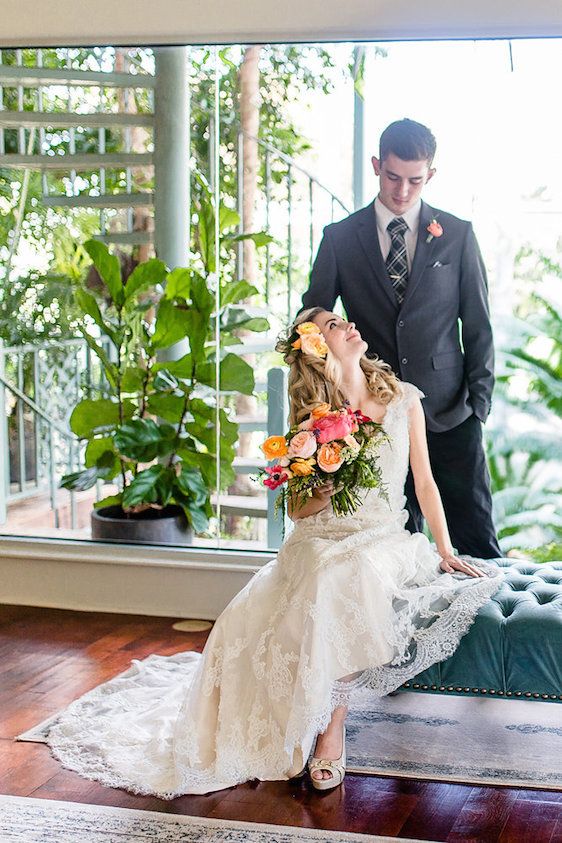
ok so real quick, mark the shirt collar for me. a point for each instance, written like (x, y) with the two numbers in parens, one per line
(384, 215)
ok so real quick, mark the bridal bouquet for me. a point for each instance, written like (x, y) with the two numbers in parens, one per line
(338, 445)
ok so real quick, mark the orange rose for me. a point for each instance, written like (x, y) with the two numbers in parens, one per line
(329, 457)
(313, 344)
(302, 468)
(274, 447)
(307, 328)
(321, 410)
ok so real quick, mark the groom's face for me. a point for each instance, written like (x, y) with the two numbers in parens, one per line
(401, 182)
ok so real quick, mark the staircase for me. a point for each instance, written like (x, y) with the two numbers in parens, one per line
(118, 183)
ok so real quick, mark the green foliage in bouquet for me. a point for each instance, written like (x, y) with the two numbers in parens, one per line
(156, 426)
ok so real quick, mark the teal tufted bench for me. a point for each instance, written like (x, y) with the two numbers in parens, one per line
(514, 647)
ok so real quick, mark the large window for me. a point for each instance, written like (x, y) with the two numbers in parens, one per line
(138, 148)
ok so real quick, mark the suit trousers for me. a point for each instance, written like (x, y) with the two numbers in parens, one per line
(459, 467)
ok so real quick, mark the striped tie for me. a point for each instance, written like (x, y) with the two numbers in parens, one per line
(396, 262)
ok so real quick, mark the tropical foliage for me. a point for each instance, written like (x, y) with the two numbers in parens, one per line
(524, 451)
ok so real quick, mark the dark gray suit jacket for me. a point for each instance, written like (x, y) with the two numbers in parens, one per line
(441, 338)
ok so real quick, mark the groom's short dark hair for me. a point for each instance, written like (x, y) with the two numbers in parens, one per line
(408, 140)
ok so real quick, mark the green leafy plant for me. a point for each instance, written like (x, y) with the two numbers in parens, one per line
(158, 427)
(524, 458)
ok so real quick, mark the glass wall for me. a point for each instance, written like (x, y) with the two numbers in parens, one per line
(106, 144)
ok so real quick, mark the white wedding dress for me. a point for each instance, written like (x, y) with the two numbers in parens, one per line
(354, 597)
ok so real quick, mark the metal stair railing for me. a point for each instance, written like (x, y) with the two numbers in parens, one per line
(36, 453)
(52, 427)
(274, 423)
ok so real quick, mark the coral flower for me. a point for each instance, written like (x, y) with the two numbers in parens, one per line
(302, 468)
(277, 476)
(274, 447)
(329, 457)
(334, 426)
(435, 230)
(302, 445)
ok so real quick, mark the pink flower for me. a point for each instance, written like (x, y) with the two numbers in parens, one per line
(277, 476)
(302, 445)
(334, 426)
(306, 424)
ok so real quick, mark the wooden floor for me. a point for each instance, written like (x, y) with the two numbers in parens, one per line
(48, 657)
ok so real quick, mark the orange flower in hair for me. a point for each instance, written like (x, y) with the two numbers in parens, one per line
(313, 344)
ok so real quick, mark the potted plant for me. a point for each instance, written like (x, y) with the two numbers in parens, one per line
(155, 427)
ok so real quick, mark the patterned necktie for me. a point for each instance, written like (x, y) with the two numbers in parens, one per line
(397, 262)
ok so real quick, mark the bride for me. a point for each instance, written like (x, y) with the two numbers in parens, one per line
(351, 607)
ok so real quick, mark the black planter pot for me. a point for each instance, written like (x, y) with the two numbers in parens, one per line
(154, 526)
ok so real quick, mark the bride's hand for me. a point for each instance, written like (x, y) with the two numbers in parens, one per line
(325, 492)
(451, 563)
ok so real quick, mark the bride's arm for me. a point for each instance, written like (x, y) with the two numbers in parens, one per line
(428, 495)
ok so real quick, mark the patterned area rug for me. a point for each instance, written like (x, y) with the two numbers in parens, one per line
(47, 821)
(453, 739)
(459, 739)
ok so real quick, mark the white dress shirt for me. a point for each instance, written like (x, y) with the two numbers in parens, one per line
(411, 218)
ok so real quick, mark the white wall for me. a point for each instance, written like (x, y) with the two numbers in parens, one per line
(90, 576)
(68, 22)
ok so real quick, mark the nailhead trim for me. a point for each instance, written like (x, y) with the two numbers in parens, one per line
(491, 691)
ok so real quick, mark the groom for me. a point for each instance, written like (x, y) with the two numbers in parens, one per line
(412, 279)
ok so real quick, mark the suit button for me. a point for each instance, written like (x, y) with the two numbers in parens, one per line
(401, 323)
(404, 360)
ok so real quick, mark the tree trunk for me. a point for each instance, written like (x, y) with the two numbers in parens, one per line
(249, 92)
(138, 135)
(249, 81)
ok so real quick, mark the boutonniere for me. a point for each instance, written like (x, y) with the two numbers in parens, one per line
(435, 230)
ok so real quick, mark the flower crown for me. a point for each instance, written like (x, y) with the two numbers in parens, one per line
(307, 338)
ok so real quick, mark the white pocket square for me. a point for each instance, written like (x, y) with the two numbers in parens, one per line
(436, 264)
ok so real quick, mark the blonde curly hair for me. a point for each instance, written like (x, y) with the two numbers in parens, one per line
(317, 380)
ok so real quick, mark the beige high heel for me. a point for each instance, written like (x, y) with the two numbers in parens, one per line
(336, 768)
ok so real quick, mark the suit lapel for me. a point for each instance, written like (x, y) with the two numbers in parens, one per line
(423, 251)
(369, 239)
